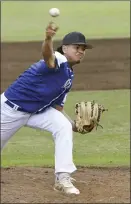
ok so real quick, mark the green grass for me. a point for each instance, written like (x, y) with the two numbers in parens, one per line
(27, 20)
(106, 147)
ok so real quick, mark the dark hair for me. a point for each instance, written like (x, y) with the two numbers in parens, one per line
(59, 49)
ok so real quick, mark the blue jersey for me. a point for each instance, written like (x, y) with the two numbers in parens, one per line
(40, 87)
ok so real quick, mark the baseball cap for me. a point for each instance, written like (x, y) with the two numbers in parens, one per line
(74, 38)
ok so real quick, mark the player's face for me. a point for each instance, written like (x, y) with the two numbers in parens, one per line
(74, 53)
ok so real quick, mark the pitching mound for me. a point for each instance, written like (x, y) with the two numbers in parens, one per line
(35, 185)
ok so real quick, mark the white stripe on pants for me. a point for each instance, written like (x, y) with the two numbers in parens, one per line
(52, 121)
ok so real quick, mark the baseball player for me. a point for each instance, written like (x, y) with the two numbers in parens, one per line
(36, 99)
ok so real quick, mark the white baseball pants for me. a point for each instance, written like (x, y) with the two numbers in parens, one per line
(52, 121)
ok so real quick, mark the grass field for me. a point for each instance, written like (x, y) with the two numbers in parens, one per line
(26, 20)
(106, 147)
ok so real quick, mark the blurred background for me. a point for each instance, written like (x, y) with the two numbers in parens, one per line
(106, 26)
(26, 20)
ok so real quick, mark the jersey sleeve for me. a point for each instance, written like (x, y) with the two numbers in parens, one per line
(60, 59)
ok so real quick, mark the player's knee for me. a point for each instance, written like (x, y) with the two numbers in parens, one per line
(67, 125)
(63, 125)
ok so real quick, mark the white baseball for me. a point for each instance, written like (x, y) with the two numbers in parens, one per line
(54, 12)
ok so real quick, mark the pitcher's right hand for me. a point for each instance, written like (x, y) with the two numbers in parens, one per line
(51, 30)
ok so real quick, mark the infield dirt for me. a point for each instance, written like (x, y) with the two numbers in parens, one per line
(107, 66)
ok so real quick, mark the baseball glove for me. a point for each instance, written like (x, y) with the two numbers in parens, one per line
(88, 115)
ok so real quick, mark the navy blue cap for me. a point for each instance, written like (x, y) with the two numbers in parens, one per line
(74, 38)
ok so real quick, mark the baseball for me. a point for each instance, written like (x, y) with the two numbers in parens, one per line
(54, 12)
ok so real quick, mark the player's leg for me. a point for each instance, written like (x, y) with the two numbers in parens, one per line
(60, 127)
(11, 121)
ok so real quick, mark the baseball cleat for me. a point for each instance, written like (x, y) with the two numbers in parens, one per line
(65, 185)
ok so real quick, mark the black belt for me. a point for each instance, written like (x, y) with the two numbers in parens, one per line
(15, 107)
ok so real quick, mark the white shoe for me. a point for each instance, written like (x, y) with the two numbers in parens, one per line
(64, 184)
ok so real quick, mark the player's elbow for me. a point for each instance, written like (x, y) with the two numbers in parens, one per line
(46, 55)
(49, 58)
(59, 108)
(50, 63)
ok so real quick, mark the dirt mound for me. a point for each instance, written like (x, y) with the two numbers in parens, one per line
(106, 66)
(35, 185)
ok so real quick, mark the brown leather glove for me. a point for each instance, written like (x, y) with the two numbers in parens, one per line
(88, 115)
